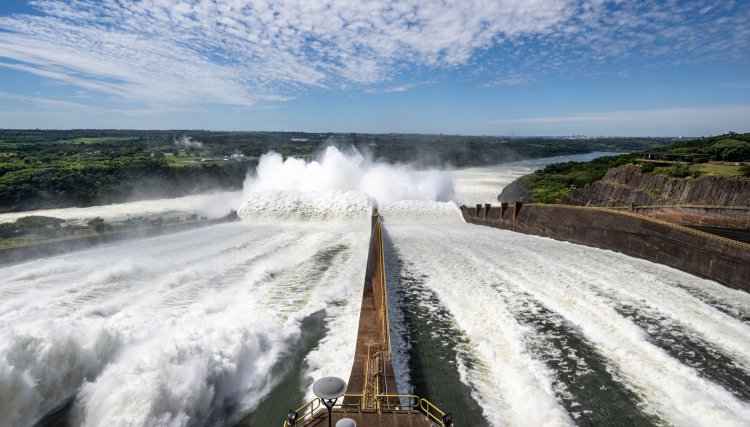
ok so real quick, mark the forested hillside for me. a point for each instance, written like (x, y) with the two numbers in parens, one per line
(51, 168)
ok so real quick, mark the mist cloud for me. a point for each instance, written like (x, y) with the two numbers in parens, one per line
(187, 142)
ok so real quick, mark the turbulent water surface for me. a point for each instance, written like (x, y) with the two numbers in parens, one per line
(230, 324)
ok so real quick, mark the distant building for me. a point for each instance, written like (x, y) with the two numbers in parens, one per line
(299, 139)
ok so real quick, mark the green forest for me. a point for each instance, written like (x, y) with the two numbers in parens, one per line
(60, 168)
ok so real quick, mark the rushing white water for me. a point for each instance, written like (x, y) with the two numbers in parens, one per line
(168, 330)
(477, 272)
(211, 205)
(199, 327)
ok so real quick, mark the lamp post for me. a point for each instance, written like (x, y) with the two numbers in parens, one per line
(329, 389)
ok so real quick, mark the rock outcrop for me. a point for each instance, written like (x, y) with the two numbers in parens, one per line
(625, 185)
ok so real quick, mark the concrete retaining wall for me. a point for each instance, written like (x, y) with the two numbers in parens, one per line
(713, 257)
(372, 372)
(735, 217)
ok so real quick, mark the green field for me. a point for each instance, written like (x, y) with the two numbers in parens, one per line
(702, 169)
(709, 169)
(184, 160)
(101, 140)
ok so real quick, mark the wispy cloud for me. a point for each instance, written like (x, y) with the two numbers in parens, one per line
(397, 88)
(510, 81)
(740, 85)
(46, 102)
(636, 116)
(241, 52)
(662, 121)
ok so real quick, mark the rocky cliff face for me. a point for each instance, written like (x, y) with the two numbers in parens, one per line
(625, 185)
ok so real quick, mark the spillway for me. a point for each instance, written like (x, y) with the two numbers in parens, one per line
(181, 329)
(540, 332)
(230, 324)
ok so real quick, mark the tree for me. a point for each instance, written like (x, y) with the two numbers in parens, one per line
(98, 224)
(731, 150)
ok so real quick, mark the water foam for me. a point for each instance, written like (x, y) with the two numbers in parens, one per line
(182, 329)
(44, 363)
(472, 269)
(297, 205)
(342, 186)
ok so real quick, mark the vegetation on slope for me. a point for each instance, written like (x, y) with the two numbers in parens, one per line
(731, 147)
(549, 184)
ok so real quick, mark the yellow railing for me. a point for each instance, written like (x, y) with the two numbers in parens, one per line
(398, 403)
(387, 404)
(305, 412)
(431, 410)
(348, 406)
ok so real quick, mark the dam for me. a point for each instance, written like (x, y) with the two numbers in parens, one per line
(232, 324)
(367, 400)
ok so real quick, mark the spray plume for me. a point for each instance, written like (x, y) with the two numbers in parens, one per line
(339, 185)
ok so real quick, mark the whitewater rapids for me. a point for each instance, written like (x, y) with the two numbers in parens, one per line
(230, 324)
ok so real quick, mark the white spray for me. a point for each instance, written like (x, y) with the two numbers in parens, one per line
(338, 185)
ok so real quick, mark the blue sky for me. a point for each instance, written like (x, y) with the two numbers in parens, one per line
(490, 67)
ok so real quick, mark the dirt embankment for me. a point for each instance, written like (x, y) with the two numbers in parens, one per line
(625, 185)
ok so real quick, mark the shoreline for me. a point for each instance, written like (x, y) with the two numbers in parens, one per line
(26, 251)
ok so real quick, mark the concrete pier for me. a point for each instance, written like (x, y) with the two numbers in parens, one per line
(372, 372)
(372, 398)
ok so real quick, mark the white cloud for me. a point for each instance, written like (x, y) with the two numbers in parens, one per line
(510, 81)
(663, 121)
(635, 116)
(47, 103)
(240, 52)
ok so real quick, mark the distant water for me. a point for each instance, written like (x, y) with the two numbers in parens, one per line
(230, 324)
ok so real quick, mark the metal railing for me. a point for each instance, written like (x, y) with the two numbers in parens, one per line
(430, 412)
(386, 404)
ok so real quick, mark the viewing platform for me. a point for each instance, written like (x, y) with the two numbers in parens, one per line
(371, 397)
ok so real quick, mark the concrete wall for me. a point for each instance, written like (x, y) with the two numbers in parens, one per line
(723, 260)
(372, 371)
(736, 217)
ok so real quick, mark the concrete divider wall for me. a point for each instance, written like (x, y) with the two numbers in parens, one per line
(372, 371)
(713, 257)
